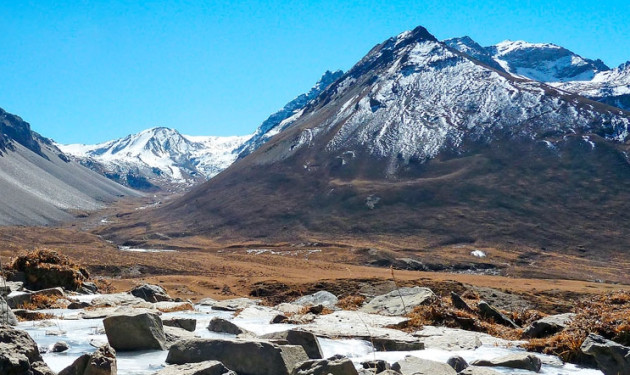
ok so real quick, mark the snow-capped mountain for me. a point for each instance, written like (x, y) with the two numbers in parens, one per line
(40, 185)
(280, 120)
(420, 141)
(158, 157)
(555, 65)
(610, 87)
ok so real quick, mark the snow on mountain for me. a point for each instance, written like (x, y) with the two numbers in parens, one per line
(413, 97)
(280, 120)
(544, 62)
(471, 48)
(158, 156)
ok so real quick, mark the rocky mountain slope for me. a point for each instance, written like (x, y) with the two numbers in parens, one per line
(282, 119)
(158, 157)
(39, 184)
(420, 141)
(549, 63)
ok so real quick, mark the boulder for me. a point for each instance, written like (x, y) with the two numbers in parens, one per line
(188, 324)
(201, 368)
(459, 303)
(611, 358)
(150, 293)
(6, 315)
(140, 331)
(244, 357)
(386, 344)
(279, 318)
(489, 312)
(120, 299)
(378, 365)
(400, 301)
(457, 363)
(418, 366)
(322, 297)
(174, 334)
(19, 354)
(225, 326)
(548, 325)
(337, 365)
(306, 340)
(520, 360)
(234, 304)
(101, 362)
(60, 347)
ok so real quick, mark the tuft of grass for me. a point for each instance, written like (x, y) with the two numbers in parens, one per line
(351, 303)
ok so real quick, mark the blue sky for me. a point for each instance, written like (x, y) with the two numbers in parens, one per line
(90, 71)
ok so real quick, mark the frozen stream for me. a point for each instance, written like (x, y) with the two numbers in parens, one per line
(79, 333)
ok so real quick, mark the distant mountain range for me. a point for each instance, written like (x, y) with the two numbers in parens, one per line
(162, 158)
(421, 142)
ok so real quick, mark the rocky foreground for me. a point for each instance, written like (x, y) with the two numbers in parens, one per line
(144, 331)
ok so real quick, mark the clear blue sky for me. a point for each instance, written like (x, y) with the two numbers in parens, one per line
(89, 71)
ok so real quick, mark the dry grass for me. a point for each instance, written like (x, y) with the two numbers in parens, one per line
(607, 315)
(38, 302)
(180, 307)
(351, 303)
(47, 269)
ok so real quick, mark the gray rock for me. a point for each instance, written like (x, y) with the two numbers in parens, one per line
(234, 304)
(322, 297)
(243, 357)
(89, 287)
(458, 339)
(19, 354)
(225, 326)
(400, 301)
(548, 325)
(150, 293)
(184, 323)
(201, 368)
(280, 318)
(611, 358)
(457, 363)
(207, 302)
(101, 362)
(78, 305)
(306, 340)
(417, 366)
(475, 370)
(175, 334)
(141, 331)
(337, 365)
(520, 360)
(6, 315)
(7, 287)
(490, 312)
(59, 347)
(377, 365)
(385, 344)
(120, 299)
(459, 303)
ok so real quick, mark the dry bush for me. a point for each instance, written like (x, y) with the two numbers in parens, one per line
(351, 302)
(49, 269)
(607, 315)
(38, 302)
(35, 316)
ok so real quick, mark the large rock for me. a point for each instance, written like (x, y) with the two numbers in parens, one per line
(548, 325)
(101, 362)
(6, 315)
(322, 297)
(141, 331)
(234, 304)
(490, 312)
(120, 299)
(417, 366)
(201, 368)
(520, 360)
(225, 326)
(19, 354)
(243, 357)
(337, 365)
(150, 293)
(400, 301)
(188, 324)
(306, 340)
(458, 363)
(611, 358)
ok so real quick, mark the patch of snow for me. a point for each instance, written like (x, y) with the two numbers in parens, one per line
(478, 253)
